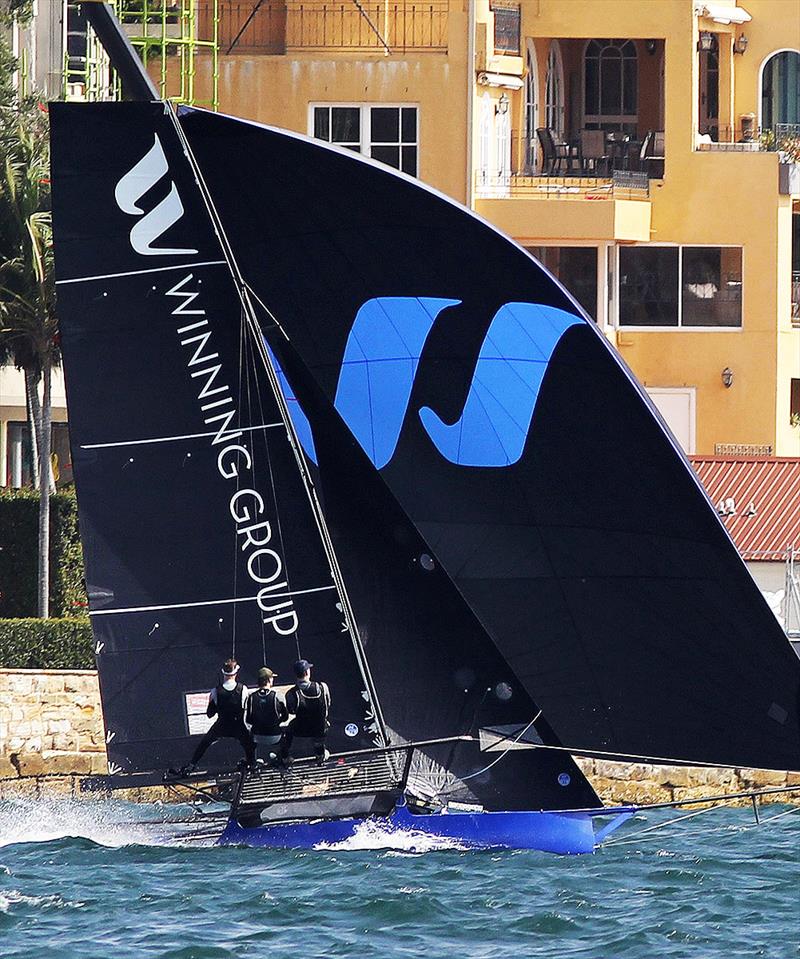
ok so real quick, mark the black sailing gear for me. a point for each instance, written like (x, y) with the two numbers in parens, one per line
(310, 703)
(228, 708)
(265, 712)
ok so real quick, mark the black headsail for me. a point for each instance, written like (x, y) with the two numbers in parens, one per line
(521, 447)
(437, 672)
(199, 538)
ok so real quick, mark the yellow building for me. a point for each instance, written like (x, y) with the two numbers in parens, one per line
(638, 147)
(618, 140)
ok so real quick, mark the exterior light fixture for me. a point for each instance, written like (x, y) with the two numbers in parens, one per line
(650, 46)
(706, 41)
(502, 105)
(727, 377)
(740, 44)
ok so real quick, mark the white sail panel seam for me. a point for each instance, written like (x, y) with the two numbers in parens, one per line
(155, 269)
(208, 602)
(171, 439)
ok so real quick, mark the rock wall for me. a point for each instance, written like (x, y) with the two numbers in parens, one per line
(51, 734)
(621, 783)
(51, 723)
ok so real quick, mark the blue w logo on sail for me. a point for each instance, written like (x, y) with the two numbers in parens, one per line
(380, 364)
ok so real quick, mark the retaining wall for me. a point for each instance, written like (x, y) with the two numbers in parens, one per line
(51, 724)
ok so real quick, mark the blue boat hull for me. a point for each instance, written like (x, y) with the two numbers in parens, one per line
(567, 834)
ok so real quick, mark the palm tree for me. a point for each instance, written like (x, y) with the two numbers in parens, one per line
(28, 326)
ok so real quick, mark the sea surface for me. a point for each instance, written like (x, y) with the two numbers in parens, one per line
(108, 880)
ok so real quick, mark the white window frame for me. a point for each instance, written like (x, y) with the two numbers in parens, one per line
(678, 328)
(531, 106)
(484, 139)
(555, 103)
(365, 126)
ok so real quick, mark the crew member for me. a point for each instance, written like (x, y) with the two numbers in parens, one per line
(310, 703)
(264, 713)
(227, 703)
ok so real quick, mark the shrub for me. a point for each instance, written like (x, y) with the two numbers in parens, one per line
(46, 644)
(19, 545)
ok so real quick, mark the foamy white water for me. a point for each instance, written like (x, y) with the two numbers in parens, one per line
(372, 835)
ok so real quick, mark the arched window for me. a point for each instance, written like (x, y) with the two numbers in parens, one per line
(483, 139)
(531, 106)
(554, 91)
(503, 140)
(610, 88)
(780, 89)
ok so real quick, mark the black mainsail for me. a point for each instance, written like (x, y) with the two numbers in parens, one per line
(199, 531)
(199, 537)
(532, 465)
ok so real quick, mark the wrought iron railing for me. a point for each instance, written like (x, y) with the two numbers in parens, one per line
(275, 26)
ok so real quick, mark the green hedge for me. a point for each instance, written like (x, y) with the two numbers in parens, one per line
(19, 546)
(46, 644)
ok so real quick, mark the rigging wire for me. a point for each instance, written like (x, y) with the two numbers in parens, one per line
(273, 485)
(496, 760)
(247, 304)
(632, 839)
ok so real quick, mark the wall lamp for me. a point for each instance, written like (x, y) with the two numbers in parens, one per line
(650, 46)
(501, 107)
(740, 44)
(727, 377)
(706, 41)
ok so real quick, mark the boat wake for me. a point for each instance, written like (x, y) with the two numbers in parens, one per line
(373, 835)
(106, 822)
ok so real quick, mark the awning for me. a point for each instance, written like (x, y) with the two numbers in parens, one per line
(722, 13)
(500, 80)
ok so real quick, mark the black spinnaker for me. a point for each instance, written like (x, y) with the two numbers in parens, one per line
(530, 461)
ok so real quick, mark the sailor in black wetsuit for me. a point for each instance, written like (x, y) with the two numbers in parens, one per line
(226, 702)
(264, 713)
(310, 703)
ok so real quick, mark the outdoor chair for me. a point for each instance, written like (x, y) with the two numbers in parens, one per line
(651, 155)
(555, 152)
(594, 152)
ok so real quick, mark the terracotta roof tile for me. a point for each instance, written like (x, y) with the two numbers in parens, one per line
(758, 499)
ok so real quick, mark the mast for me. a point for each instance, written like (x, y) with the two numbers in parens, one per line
(257, 337)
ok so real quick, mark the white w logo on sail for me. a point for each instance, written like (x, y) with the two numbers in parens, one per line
(133, 186)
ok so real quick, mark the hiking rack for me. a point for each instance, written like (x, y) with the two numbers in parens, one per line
(358, 783)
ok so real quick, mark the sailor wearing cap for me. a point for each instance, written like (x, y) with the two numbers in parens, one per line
(310, 703)
(227, 702)
(264, 713)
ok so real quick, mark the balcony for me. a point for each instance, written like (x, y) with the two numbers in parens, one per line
(370, 26)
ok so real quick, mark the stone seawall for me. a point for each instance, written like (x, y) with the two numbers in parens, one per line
(51, 723)
(51, 726)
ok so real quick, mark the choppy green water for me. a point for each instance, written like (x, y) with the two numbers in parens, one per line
(89, 881)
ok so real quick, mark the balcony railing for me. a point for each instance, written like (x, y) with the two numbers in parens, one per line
(276, 26)
(618, 155)
(783, 138)
(621, 185)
